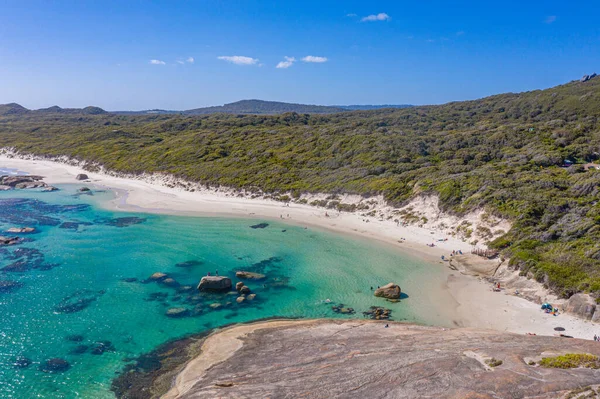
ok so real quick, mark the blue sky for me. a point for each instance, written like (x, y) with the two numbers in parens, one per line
(210, 52)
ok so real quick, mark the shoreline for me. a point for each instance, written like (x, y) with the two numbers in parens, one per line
(466, 300)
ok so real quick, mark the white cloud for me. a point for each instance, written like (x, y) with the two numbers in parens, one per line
(312, 58)
(239, 59)
(550, 19)
(157, 62)
(376, 17)
(289, 61)
(190, 60)
(180, 62)
(351, 15)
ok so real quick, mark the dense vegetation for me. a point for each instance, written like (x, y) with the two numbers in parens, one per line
(505, 153)
(255, 107)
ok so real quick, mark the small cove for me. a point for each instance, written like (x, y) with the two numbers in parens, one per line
(83, 294)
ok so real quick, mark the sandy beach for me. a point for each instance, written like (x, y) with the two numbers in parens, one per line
(469, 301)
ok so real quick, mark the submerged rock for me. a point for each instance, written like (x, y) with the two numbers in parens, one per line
(9, 240)
(214, 283)
(169, 282)
(129, 280)
(75, 338)
(123, 222)
(22, 362)
(79, 349)
(259, 226)
(77, 301)
(177, 312)
(100, 347)
(240, 299)
(55, 365)
(250, 275)
(9, 286)
(389, 291)
(189, 263)
(84, 190)
(50, 189)
(250, 297)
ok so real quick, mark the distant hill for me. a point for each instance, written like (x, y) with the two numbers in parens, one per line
(16, 109)
(261, 107)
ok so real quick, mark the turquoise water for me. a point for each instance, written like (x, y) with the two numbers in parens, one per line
(73, 284)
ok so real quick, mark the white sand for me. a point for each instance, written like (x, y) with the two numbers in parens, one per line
(474, 304)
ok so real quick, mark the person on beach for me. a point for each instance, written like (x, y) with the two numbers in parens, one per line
(208, 274)
(216, 272)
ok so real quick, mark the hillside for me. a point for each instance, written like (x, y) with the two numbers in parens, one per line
(504, 153)
(16, 109)
(259, 107)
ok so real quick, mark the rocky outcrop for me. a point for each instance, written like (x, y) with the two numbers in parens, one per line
(585, 78)
(81, 176)
(239, 285)
(214, 283)
(389, 291)
(581, 305)
(364, 359)
(22, 181)
(250, 275)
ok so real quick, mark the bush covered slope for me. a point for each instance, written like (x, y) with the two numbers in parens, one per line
(503, 152)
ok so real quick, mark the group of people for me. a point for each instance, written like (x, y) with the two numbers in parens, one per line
(459, 252)
(596, 338)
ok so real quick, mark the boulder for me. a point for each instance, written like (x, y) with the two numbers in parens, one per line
(17, 230)
(240, 299)
(5, 188)
(250, 275)
(581, 305)
(55, 365)
(389, 291)
(158, 276)
(177, 312)
(239, 285)
(250, 297)
(244, 290)
(24, 181)
(8, 240)
(214, 283)
(81, 176)
(585, 78)
(49, 189)
(215, 305)
(84, 189)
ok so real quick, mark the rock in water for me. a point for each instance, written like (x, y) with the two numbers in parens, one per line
(244, 290)
(214, 283)
(81, 176)
(158, 276)
(55, 365)
(22, 362)
(389, 291)
(84, 189)
(8, 286)
(250, 275)
(239, 285)
(17, 230)
(260, 226)
(240, 299)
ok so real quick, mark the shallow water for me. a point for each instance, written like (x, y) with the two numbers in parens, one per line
(73, 284)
